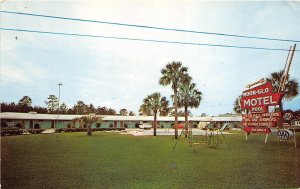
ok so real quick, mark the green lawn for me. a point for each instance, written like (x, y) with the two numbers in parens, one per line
(108, 160)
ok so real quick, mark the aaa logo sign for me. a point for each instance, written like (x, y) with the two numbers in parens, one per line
(285, 134)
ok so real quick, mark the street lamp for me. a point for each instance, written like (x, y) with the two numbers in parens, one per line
(59, 85)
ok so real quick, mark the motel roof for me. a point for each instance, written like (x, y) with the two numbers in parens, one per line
(64, 117)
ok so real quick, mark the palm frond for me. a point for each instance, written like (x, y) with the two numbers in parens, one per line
(291, 85)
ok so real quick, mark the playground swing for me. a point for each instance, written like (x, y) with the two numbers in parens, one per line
(211, 138)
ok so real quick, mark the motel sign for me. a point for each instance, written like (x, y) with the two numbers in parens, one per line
(256, 102)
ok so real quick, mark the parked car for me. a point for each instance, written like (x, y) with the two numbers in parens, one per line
(180, 126)
(145, 126)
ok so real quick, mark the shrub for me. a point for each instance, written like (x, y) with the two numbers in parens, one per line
(36, 126)
(8, 132)
(125, 125)
(19, 125)
(111, 125)
(36, 131)
(4, 124)
(98, 125)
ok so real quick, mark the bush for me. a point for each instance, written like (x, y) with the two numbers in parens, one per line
(36, 126)
(98, 125)
(19, 125)
(111, 125)
(36, 131)
(4, 124)
(125, 125)
(11, 131)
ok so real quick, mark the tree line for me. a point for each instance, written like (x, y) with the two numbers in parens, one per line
(53, 107)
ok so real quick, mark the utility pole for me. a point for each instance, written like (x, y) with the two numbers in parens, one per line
(59, 85)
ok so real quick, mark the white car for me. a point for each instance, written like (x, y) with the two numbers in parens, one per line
(145, 126)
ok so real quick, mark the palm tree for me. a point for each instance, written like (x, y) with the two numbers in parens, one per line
(88, 120)
(291, 85)
(174, 74)
(152, 105)
(188, 96)
(145, 110)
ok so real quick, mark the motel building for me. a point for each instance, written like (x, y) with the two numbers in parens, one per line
(34, 120)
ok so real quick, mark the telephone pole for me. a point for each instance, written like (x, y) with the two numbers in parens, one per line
(59, 85)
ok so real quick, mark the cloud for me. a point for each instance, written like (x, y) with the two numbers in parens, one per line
(22, 73)
(11, 74)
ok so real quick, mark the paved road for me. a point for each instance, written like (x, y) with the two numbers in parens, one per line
(142, 132)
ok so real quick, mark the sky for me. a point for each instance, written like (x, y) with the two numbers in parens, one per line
(120, 74)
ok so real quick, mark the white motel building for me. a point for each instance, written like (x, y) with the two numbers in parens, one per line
(45, 121)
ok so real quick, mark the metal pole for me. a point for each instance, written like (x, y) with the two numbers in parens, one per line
(284, 70)
(266, 139)
(288, 65)
(295, 139)
(60, 84)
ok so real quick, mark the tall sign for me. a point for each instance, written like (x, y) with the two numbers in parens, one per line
(256, 101)
(263, 108)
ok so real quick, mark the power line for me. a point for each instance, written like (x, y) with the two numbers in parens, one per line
(144, 40)
(152, 27)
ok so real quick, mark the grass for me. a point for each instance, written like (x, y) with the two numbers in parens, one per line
(108, 160)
